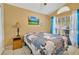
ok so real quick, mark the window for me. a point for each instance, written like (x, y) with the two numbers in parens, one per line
(61, 24)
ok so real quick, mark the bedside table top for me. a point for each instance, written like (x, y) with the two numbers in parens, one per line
(17, 38)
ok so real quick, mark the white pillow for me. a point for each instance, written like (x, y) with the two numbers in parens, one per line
(32, 36)
(47, 34)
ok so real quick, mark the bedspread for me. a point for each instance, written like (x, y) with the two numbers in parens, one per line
(52, 43)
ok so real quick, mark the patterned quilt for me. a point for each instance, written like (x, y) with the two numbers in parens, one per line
(50, 43)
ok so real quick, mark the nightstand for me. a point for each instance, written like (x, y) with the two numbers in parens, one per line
(17, 43)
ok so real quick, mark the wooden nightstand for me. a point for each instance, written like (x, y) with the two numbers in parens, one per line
(17, 43)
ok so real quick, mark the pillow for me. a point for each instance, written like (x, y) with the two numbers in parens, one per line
(40, 34)
(47, 34)
(31, 37)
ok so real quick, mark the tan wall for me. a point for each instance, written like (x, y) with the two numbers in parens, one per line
(72, 6)
(14, 14)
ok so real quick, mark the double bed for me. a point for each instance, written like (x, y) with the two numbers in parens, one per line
(45, 43)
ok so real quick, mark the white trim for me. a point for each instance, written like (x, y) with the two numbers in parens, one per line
(2, 16)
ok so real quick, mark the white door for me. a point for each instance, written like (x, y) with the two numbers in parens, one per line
(1, 32)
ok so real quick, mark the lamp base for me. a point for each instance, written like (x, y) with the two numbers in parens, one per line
(18, 32)
(17, 35)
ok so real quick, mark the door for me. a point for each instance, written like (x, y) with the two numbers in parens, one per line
(1, 33)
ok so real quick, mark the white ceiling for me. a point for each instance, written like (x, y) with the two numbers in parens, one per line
(39, 7)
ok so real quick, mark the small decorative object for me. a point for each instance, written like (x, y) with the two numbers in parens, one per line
(32, 20)
(17, 25)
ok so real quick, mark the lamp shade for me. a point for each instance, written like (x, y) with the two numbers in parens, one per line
(16, 25)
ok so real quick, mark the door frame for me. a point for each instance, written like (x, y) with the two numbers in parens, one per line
(2, 21)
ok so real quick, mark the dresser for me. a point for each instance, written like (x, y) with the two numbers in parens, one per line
(17, 43)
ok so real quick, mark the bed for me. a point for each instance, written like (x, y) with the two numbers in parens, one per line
(45, 43)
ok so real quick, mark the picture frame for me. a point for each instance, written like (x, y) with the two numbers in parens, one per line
(32, 20)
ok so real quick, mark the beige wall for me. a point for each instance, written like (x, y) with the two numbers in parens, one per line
(14, 14)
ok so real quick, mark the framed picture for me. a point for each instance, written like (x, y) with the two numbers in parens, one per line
(32, 20)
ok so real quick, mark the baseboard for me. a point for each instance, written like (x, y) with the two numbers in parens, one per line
(2, 50)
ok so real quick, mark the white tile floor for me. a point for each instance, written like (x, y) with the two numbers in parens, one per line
(72, 51)
(22, 51)
(25, 51)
